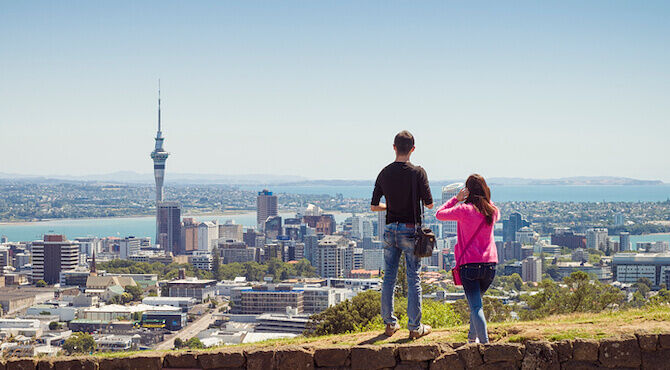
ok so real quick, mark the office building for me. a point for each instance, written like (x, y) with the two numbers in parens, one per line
(266, 299)
(208, 233)
(324, 224)
(169, 227)
(129, 246)
(526, 235)
(231, 251)
(266, 206)
(624, 241)
(192, 287)
(373, 259)
(333, 257)
(381, 223)
(189, 234)
(88, 245)
(53, 255)
(564, 237)
(201, 260)
(629, 267)
(512, 225)
(449, 191)
(231, 231)
(500, 249)
(273, 227)
(531, 269)
(619, 219)
(580, 255)
(597, 238)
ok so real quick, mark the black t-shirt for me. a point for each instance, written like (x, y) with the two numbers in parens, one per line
(394, 183)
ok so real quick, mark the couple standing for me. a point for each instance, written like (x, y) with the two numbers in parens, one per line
(475, 253)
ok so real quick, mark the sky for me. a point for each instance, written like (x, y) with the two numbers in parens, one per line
(319, 88)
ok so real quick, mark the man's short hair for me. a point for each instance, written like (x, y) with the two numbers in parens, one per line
(404, 142)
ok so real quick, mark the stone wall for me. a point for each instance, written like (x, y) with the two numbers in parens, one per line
(641, 351)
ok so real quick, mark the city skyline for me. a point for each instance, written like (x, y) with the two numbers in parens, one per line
(554, 90)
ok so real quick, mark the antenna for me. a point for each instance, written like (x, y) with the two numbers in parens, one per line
(159, 105)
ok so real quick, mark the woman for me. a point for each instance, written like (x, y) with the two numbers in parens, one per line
(476, 254)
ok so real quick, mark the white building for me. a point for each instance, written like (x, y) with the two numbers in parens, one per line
(526, 235)
(88, 245)
(373, 259)
(208, 233)
(129, 246)
(597, 238)
(201, 260)
(531, 269)
(231, 231)
(629, 267)
(448, 192)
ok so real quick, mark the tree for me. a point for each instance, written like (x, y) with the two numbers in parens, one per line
(494, 310)
(54, 325)
(347, 316)
(178, 343)
(41, 283)
(401, 280)
(135, 291)
(194, 343)
(79, 343)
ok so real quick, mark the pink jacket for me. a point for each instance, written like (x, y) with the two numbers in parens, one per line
(483, 247)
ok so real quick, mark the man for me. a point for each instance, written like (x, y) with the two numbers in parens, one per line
(395, 184)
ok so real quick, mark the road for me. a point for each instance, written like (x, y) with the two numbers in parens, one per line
(187, 332)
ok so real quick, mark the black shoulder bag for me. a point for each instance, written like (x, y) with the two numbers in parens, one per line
(424, 241)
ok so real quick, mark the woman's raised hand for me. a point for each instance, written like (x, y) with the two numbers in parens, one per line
(463, 194)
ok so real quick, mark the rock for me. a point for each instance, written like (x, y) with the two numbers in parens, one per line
(656, 360)
(647, 342)
(75, 364)
(579, 365)
(540, 355)
(564, 349)
(585, 350)
(470, 355)
(297, 358)
(502, 352)
(372, 357)
(331, 357)
(499, 366)
(21, 364)
(411, 365)
(419, 352)
(623, 352)
(449, 359)
(180, 360)
(664, 340)
(142, 362)
(227, 358)
(260, 359)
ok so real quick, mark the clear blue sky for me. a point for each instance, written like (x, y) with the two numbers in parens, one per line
(319, 89)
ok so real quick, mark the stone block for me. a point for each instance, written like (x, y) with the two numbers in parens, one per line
(579, 365)
(419, 352)
(183, 360)
(499, 366)
(470, 355)
(664, 340)
(449, 359)
(585, 350)
(75, 364)
(372, 357)
(659, 359)
(228, 358)
(411, 365)
(564, 350)
(260, 359)
(43, 364)
(297, 358)
(647, 342)
(331, 357)
(21, 364)
(540, 355)
(502, 352)
(624, 352)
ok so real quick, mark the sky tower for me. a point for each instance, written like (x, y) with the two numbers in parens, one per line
(159, 155)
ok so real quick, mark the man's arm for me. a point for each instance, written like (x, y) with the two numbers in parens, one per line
(426, 196)
(375, 206)
(379, 208)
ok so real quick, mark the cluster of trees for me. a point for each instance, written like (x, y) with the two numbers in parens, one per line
(193, 343)
(132, 293)
(253, 271)
(79, 343)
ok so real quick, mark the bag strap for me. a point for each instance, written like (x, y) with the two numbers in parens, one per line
(414, 199)
(470, 242)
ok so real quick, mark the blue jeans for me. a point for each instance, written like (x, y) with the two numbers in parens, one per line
(476, 278)
(399, 238)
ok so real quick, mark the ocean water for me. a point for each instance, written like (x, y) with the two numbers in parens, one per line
(507, 193)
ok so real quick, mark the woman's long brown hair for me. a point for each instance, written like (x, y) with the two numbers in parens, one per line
(480, 196)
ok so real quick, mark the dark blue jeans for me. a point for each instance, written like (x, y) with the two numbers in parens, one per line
(476, 278)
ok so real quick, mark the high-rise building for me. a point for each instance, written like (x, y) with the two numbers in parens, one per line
(273, 227)
(129, 246)
(512, 225)
(381, 223)
(208, 232)
(331, 256)
(231, 231)
(597, 238)
(448, 192)
(53, 255)
(89, 245)
(169, 227)
(266, 206)
(619, 219)
(624, 241)
(189, 235)
(531, 269)
(564, 237)
(324, 224)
